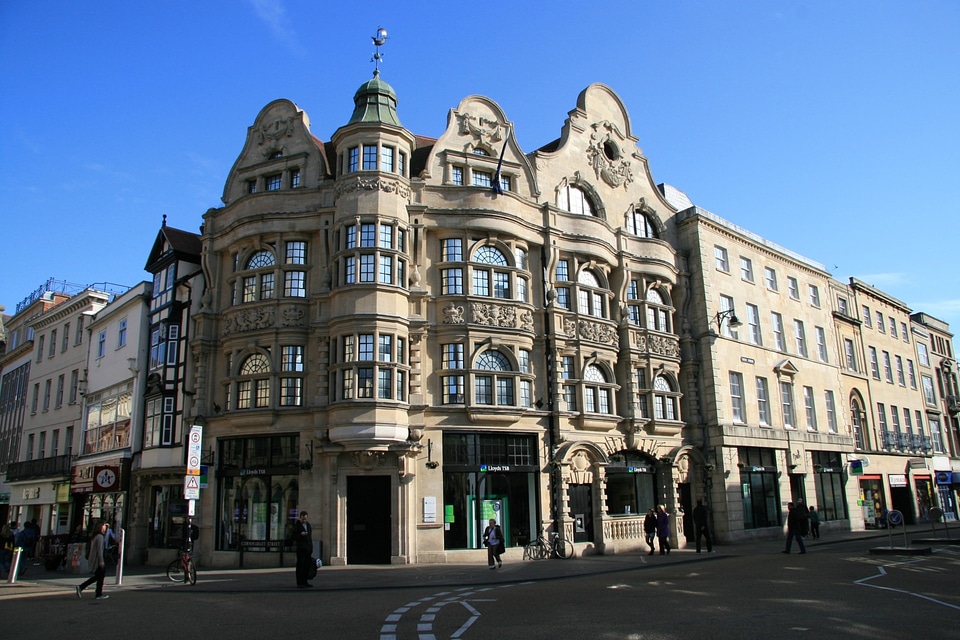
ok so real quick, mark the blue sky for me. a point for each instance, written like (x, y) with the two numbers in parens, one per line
(831, 128)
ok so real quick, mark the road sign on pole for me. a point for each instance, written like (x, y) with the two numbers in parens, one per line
(194, 450)
(191, 488)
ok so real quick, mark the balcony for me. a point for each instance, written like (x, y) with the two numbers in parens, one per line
(953, 404)
(891, 440)
(58, 466)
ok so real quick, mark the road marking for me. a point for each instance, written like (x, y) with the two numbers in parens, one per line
(882, 572)
(389, 630)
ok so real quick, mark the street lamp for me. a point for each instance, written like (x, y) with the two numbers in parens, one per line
(730, 316)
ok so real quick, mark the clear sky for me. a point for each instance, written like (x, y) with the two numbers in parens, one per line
(829, 127)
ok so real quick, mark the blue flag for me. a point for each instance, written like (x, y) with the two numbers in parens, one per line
(497, 188)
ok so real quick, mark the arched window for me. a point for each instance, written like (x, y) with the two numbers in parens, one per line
(261, 259)
(596, 391)
(492, 388)
(254, 391)
(658, 315)
(259, 286)
(574, 200)
(639, 224)
(664, 399)
(590, 297)
(858, 419)
(490, 281)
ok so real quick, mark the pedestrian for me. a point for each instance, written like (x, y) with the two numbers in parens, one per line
(26, 539)
(95, 561)
(663, 529)
(7, 543)
(700, 524)
(814, 523)
(794, 524)
(303, 534)
(650, 527)
(493, 541)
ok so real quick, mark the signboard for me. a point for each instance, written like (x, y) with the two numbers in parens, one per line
(106, 479)
(430, 509)
(194, 450)
(898, 480)
(856, 468)
(191, 488)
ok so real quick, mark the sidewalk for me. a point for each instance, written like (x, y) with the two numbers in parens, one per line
(38, 582)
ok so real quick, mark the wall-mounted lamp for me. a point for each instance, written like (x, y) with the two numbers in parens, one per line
(431, 463)
(727, 314)
(307, 464)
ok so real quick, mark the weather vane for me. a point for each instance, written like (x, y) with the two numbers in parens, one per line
(379, 40)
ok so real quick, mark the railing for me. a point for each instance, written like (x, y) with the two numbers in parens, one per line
(41, 468)
(891, 440)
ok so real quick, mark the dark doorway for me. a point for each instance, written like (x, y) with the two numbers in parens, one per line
(686, 508)
(369, 520)
(581, 510)
(797, 489)
(902, 500)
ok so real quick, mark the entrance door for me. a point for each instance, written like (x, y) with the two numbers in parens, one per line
(581, 510)
(368, 520)
(686, 507)
(902, 501)
(797, 489)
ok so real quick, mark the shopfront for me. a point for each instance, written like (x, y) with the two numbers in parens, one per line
(873, 502)
(945, 494)
(631, 483)
(829, 480)
(100, 493)
(923, 485)
(488, 476)
(759, 487)
(258, 492)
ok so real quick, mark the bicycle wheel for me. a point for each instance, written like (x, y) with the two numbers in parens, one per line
(543, 550)
(562, 548)
(191, 572)
(175, 571)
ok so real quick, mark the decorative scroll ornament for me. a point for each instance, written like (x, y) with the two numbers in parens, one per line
(261, 318)
(486, 131)
(603, 154)
(368, 459)
(373, 184)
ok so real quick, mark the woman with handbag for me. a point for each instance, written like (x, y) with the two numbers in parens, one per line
(493, 541)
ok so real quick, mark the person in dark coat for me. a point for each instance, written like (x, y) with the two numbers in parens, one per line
(303, 535)
(650, 527)
(663, 530)
(493, 541)
(701, 526)
(814, 523)
(795, 523)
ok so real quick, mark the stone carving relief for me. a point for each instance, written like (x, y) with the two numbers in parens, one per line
(615, 171)
(368, 459)
(593, 331)
(261, 318)
(480, 128)
(453, 314)
(373, 184)
(495, 315)
(658, 345)
(268, 135)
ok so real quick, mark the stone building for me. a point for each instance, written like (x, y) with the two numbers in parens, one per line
(766, 407)
(408, 336)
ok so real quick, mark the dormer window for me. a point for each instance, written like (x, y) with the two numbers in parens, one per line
(574, 200)
(480, 152)
(276, 154)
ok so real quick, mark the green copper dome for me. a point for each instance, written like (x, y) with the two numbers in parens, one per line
(375, 101)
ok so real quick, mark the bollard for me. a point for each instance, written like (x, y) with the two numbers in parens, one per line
(14, 565)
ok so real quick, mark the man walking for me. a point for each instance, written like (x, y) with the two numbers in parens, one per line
(700, 524)
(95, 561)
(303, 534)
(795, 525)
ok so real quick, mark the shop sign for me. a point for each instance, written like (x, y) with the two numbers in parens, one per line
(489, 468)
(253, 472)
(106, 479)
(944, 477)
(31, 493)
(898, 480)
(5, 498)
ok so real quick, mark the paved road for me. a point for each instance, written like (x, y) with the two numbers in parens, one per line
(836, 590)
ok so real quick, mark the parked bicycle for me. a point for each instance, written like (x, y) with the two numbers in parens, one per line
(182, 569)
(555, 547)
